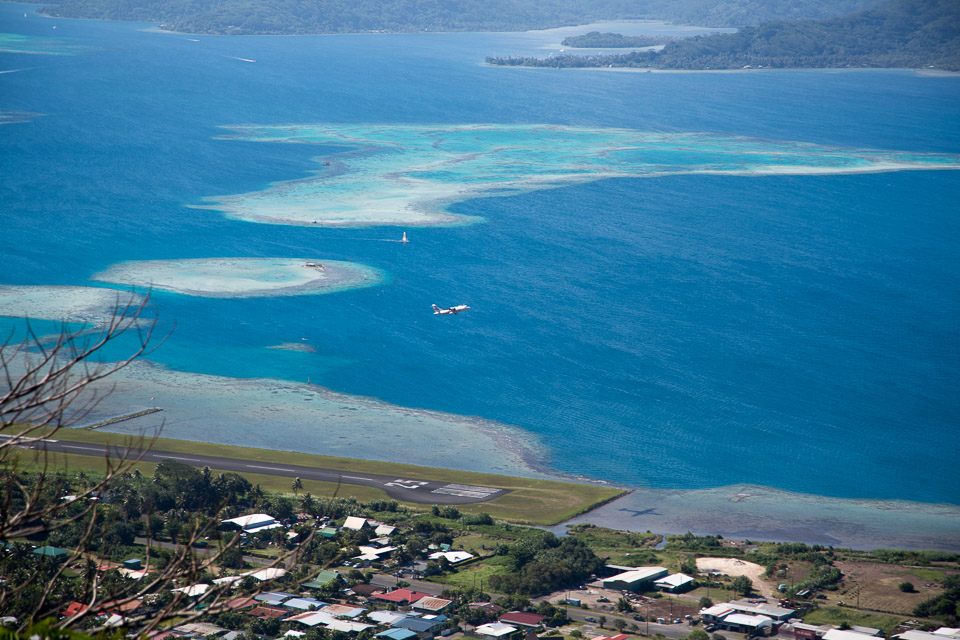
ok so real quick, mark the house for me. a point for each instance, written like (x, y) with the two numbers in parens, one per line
(803, 631)
(496, 631)
(522, 619)
(387, 617)
(73, 609)
(635, 579)
(773, 612)
(847, 634)
(453, 557)
(303, 604)
(266, 611)
(374, 554)
(426, 627)
(402, 597)
(431, 604)
(365, 590)
(943, 633)
(227, 580)
(488, 607)
(193, 590)
(200, 629)
(355, 523)
(54, 553)
(674, 583)
(750, 625)
(343, 611)
(273, 597)
(253, 523)
(716, 613)
(270, 573)
(396, 634)
(322, 579)
(240, 603)
(312, 618)
(384, 530)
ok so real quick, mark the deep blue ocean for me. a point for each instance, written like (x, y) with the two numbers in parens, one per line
(677, 332)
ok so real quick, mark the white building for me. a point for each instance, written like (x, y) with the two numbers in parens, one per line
(674, 583)
(632, 580)
(748, 624)
(252, 523)
(495, 630)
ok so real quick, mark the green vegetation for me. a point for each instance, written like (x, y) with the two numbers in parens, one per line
(840, 615)
(597, 40)
(543, 563)
(946, 606)
(342, 16)
(900, 34)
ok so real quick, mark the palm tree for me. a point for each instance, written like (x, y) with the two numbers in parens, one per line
(296, 485)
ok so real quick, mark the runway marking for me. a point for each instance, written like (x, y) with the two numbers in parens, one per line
(70, 446)
(187, 459)
(466, 491)
(358, 478)
(405, 484)
(253, 466)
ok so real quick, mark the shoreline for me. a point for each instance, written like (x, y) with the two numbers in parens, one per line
(470, 443)
(921, 72)
(283, 416)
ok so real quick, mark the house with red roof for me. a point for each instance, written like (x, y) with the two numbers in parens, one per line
(402, 597)
(73, 609)
(522, 619)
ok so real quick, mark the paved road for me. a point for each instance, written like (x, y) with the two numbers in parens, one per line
(405, 489)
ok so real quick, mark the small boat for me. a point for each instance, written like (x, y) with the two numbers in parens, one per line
(404, 238)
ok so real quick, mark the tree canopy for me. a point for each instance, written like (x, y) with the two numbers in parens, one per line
(900, 34)
(347, 16)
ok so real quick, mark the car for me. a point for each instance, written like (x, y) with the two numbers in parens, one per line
(638, 618)
(602, 599)
(591, 619)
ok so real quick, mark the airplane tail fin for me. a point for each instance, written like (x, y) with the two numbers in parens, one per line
(436, 309)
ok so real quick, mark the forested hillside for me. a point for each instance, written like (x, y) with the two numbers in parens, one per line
(345, 16)
(901, 34)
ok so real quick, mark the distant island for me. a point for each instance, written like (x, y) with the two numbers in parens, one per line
(597, 40)
(900, 34)
(244, 17)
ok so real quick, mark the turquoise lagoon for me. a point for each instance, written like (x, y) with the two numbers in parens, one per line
(701, 285)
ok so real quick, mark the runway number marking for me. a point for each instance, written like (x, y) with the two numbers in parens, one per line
(466, 491)
(405, 484)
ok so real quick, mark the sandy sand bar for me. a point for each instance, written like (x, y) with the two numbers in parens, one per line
(243, 277)
(92, 305)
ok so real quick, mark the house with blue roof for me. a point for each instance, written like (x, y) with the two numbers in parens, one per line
(397, 634)
(426, 627)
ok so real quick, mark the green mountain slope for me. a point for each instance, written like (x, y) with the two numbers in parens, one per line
(903, 33)
(341, 16)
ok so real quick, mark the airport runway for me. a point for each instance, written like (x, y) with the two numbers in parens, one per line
(405, 489)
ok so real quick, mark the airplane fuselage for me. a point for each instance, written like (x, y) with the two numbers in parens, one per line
(449, 311)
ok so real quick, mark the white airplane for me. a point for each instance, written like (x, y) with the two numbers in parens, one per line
(437, 311)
